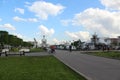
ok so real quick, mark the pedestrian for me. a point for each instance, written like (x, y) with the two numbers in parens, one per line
(70, 48)
(52, 49)
(103, 48)
(108, 48)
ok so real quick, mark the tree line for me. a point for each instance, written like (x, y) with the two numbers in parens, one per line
(12, 40)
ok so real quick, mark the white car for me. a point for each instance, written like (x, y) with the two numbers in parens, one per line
(24, 50)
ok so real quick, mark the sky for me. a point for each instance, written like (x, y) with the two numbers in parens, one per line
(60, 20)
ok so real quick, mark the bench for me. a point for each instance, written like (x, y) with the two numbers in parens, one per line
(6, 52)
(21, 52)
(17, 53)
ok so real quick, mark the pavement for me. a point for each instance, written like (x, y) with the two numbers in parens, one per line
(91, 67)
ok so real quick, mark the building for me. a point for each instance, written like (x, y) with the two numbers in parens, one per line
(98, 43)
(114, 42)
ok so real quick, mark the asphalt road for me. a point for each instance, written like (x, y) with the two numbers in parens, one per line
(92, 67)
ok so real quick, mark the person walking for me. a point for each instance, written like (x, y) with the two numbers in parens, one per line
(52, 49)
(70, 48)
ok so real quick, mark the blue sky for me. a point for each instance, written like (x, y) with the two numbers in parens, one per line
(60, 20)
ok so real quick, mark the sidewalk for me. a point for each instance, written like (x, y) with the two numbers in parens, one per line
(91, 67)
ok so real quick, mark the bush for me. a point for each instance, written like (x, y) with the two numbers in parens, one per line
(14, 50)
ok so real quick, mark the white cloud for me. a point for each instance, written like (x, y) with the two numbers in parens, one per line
(82, 35)
(43, 9)
(18, 19)
(20, 10)
(111, 4)
(32, 20)
(45, 31)
(65, 22)
(25, 38)
(56, 41)
(103, 22)
(0, 19)
(18, 35)
(8, 26)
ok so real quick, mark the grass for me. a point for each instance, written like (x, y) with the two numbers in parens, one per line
(108, 54)
(35, 68)
(36, 50)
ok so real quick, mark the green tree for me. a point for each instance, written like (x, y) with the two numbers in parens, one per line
(3, 37)
(12, 40)
(77, 43)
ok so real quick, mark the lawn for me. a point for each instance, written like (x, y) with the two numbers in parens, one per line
(108, 54)
(36, 50)
(35, 68)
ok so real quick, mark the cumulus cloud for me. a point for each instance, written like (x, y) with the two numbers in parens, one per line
(18, 19)
(43, 9)
(8, 26)
(18, 35)
(32, 20)
(65, 22)
(111, 4)
(103, 22)
(25, 38)
(82, 35)
(20, 10)
(106, 22)
(45, 31)
(56, 41)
